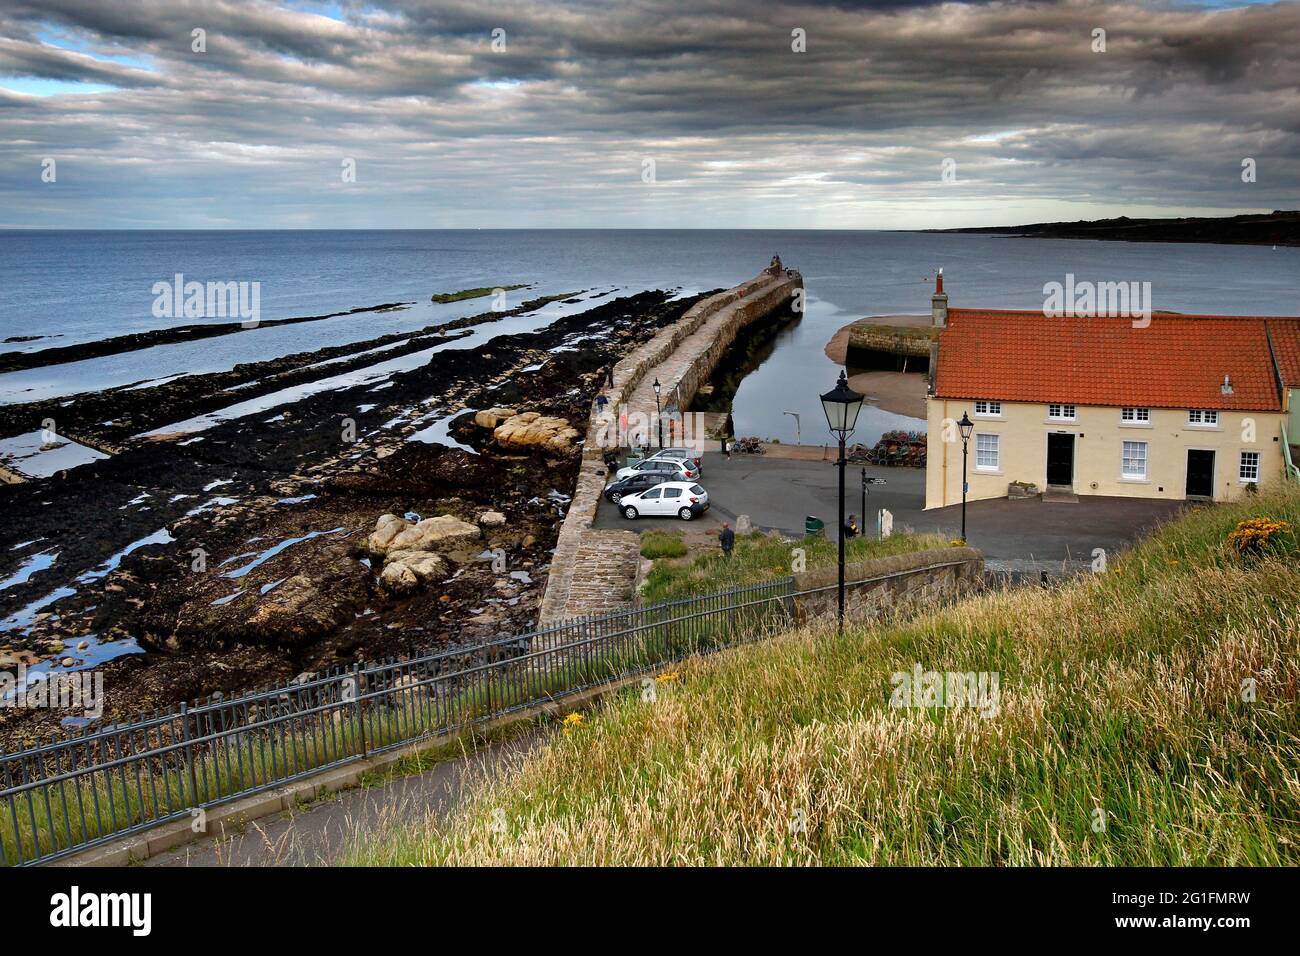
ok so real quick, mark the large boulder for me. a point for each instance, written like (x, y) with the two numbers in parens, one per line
(492, 417)
(398, 578)
(445, 532)
(424, 565)
(387, 528)
(532, 430)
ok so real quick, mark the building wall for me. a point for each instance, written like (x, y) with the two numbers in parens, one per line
(1099, 437)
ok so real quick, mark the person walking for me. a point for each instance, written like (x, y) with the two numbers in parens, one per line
(601, 401)
(726, 448)
(726, 538)
(851, 527)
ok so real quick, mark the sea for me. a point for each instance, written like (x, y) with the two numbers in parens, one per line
(62, 288)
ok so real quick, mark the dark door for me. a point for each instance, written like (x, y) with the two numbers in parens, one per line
(1200, 473)
(1060, 459)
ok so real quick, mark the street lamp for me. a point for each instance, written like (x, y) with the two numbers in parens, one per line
(658, 413)
(798, 440)
(841, 405)
(966, 426)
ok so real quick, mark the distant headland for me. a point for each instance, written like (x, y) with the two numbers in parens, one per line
(1280, 227)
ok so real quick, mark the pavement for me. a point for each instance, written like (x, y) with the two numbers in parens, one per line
(1021, 535)
(319, 833)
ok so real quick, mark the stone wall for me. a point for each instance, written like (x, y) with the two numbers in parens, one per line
(874, 589)
(895, 342)
(682, 356)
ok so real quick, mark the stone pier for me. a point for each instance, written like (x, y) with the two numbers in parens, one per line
(593, 571)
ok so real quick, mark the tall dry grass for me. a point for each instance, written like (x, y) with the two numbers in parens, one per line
(1122, 736)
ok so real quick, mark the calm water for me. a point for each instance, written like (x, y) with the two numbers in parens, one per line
(82, 286)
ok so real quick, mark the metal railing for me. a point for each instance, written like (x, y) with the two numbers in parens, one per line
(97, 785)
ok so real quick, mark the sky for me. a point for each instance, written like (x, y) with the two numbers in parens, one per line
(642, 113)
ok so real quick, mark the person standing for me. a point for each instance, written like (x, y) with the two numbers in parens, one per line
(726, 538)
(726, 447)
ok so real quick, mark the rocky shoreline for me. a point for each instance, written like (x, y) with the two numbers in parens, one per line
(246, 553)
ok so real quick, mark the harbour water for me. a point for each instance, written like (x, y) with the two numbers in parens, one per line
(66, 288)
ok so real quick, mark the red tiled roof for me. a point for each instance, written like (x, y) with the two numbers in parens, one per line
(1286, 348)
(1178, 361)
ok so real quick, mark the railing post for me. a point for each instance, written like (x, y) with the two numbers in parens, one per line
(356, 696)
(189, 755)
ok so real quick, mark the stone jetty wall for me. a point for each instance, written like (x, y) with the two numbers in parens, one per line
(593, 571)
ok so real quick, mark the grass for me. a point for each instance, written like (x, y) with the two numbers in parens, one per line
(662, 544)
(1126, 735)
(762, 557)
(443, 297)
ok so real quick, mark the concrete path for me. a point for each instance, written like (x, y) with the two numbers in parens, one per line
(777, 493)
(318, 834)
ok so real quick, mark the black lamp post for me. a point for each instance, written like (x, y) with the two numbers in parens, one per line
(966, 426)
(659, 420)
(842, 405)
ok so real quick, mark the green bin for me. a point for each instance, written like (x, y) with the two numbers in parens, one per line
(813, 525)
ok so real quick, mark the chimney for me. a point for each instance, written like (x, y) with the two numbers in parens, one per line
(939, 303)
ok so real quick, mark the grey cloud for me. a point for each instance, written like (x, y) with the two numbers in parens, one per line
(857, 126)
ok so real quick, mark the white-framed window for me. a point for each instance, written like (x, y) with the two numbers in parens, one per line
(988, 409)
(1206, 417)
(1061, 413)
(1248, 470)
(1135, 459)
(1135, 416)
(988, 451)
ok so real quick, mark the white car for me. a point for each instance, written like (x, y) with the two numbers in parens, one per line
(673, 469)
(685, 499)
(687, 455)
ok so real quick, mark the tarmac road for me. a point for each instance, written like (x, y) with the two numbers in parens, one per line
(777, 494)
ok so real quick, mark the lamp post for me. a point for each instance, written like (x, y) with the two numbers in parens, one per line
(966, 426)
(659, 420)
(798, 439)
(842, 406)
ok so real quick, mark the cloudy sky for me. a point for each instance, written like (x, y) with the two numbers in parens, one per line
(558, 124)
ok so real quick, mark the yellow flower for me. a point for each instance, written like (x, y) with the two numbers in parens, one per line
(573, 721)
(666, 678)
(1254, 535)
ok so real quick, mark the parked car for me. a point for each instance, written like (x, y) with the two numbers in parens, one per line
(685, 454)
(632, 484)
(672, 469)
(685, 499)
